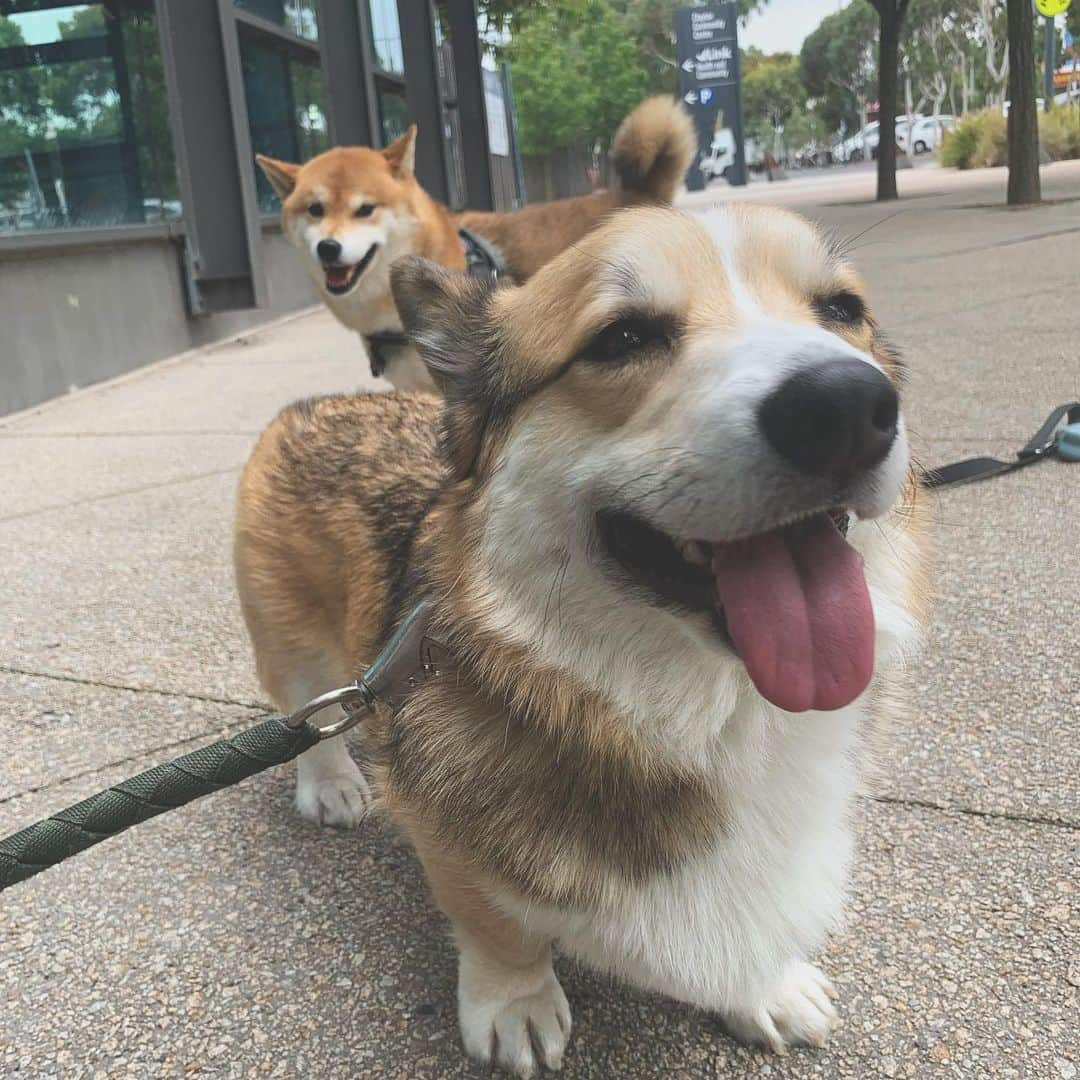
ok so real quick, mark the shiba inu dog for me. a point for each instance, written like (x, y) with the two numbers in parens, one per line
(352, 211)
(666, 520)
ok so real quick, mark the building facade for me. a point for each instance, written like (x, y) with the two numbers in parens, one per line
(133, 222)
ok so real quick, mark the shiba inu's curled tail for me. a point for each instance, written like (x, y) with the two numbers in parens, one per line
(653, 148)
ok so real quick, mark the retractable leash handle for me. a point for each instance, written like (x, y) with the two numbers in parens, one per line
(408, 658)
(1051, 440)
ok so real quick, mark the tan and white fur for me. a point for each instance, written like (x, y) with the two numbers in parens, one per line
(369, 206)
(600, 775)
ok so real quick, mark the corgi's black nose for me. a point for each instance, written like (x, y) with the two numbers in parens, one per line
(328, 250)
(836, 418)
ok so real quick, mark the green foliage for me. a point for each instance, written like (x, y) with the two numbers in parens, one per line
(958, 145)
(977, 141)
(576, 74)
(1059, 132)
(772, 91)
(838, 64)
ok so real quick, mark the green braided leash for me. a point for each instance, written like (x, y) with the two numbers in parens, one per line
(164, 787)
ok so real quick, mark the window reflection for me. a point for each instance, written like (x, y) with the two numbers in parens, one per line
(84, 135)
(386, 35)
(285, 105)
(297, 16)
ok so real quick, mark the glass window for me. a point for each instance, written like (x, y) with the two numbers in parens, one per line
(296, 16)
(393, 115)
(285, 105)
(84, 132)
(386, 35)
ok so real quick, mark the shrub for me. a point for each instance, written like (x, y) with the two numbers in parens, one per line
(991, 147)
(979, 139)
(958, 145)
(1059, 132)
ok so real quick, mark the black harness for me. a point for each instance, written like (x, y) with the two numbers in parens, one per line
(482, 260)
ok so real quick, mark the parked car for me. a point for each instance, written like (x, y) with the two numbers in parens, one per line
(856, 147)
(926, 132)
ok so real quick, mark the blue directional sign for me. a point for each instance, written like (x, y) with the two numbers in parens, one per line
(709, 83)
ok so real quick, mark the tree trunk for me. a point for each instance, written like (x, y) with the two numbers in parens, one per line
(1023, 124)
(888, 61)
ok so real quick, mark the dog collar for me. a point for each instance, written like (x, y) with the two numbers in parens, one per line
(377, 344)
(410, 658)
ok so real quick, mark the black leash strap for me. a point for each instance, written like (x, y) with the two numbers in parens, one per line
(164, 787)
(1041, 445)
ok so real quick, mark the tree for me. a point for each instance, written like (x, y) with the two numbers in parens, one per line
(772, 91)
(576, 75)
(1023, 124)
(891, 15)
(836, 65)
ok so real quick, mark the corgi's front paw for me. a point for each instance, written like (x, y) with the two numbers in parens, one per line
(800, 1012)
(519, 1020)
(338, 801)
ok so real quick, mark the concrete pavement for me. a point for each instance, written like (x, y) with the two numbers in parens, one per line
(231, 939)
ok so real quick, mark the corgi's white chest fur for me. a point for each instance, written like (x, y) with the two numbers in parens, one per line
(723, 926)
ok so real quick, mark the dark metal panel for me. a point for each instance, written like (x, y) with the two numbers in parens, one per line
(349, 95)
(416, 19)
(213, 155)
(480, 193)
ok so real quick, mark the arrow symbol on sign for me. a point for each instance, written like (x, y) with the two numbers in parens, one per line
(688, 65)
(691, 98)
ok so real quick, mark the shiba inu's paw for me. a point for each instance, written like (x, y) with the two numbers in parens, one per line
(520, 1026)
(339, 801)
(799, 1013)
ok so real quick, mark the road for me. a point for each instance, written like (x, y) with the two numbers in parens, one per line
(231, 939)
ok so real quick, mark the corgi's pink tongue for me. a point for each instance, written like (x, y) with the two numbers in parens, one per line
(798, 610)
(337, 275)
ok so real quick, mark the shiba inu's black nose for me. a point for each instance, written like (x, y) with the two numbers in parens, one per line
(328, 250)
(832, 419)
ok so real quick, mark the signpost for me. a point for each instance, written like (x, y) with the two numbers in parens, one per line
(708, 57)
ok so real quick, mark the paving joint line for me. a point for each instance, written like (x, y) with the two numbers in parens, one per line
(187, 740)
(971, 811)
(120, 494)
(12, 669)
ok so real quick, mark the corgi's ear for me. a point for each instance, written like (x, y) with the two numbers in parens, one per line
(401, 153)
(446, 316)
(281, 174)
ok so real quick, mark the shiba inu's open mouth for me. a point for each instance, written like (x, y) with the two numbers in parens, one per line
(792, 602)
(341, 277)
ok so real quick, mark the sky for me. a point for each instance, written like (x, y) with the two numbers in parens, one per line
(784, 24)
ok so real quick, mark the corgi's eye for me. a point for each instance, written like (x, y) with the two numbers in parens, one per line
(842, 307)
(365, 209)
(316, 210)
(626, 338)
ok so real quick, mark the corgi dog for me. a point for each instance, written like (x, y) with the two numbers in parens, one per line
(666, 521)
(351, 211)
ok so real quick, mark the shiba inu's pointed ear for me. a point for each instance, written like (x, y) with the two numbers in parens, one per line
(444, 315)
(281, 174)
(401, 153)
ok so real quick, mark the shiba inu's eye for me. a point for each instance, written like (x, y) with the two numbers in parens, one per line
(365, 209)
(316, 210)
(624, 339)
(842, 307)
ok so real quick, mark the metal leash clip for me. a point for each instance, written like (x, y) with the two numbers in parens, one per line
(408, 659)
(357, 699)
